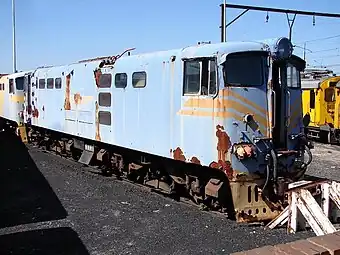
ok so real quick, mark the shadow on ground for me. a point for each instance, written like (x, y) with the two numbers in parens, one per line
(43, 241)
(26, 197)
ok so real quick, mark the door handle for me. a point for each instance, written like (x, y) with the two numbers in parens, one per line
(274, 109)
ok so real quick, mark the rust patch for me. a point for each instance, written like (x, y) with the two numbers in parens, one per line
(67, 103)
(97, 75)
(223, 143)
(77, 98)
(35, 113)
(225, 166)
(178, 154)
(97, 123)
(195, 160)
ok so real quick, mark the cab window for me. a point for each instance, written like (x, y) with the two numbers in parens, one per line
(19, 83)
(200, 77)
(312, 99)
(329, 95)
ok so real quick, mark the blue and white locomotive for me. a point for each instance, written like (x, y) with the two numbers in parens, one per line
(220, 124)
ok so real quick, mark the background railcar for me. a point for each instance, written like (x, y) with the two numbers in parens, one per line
(321, 102)
(12, 98)
(220, 123)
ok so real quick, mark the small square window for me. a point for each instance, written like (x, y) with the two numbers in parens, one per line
(139, 79)
(121, 80)
(105, 118)
(50, 83)
(105, 80)
(57, 83)
(41, 83)
(104, 99)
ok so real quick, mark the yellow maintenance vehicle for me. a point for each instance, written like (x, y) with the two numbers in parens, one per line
(321, 103)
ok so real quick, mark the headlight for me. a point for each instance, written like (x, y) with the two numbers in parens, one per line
(283, 48)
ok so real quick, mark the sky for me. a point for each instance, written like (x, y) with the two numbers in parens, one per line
(55, 32)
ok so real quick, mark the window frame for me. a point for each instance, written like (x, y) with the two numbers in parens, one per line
(100, 79)
(264, 65)
(16, 84)
(47, 85)
(104, 112)
(334, 95)
(200, 61)
(41, 79)
(312, 95)
(290, 79)
(55, 82)
(145, 80)
(11, 86)
(104, 93)
(126, 83)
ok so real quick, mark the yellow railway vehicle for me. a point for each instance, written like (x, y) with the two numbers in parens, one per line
(321, 105)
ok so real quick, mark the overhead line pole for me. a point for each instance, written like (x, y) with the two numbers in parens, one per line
(276, 10)
(14, 43)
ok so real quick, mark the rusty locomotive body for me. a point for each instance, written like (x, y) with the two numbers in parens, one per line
(220, 124)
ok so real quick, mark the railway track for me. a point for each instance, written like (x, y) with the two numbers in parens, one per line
(96, 171)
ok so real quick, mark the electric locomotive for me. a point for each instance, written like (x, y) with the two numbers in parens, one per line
(321, 100)
(219, 124)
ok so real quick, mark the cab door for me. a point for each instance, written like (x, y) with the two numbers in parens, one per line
(294, 122)
(27, 98)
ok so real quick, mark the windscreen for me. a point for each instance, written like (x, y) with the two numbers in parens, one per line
(245, 69)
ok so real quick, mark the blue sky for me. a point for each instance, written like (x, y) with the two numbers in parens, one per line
(54, 32)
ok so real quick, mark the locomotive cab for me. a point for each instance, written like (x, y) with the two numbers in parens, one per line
(267, 144)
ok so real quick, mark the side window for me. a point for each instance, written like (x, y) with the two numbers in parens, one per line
(139, 79)
(192, 77)
(19, 83)
(104, 118)
(200, 77)
(212, 77)
(11, 86)
(41, 83)
(293, 77)
(57, 83)
(50, 83)
(121, 80)
(104, 99)
(2, 86)
(105, 80)
(312, 99)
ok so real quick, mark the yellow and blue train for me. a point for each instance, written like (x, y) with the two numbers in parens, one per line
(219, 124)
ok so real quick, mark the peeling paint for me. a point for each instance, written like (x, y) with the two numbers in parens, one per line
(67, 104)
(225, 166)
(35, 113)
(77, 98)
(195, 160)
(97, 75)
(223, 144)
(178, 154)
(98, 138)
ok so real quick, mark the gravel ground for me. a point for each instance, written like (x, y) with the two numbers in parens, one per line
(325, 161)
(53, 206)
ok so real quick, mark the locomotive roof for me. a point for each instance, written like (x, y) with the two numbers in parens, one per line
(195, 51)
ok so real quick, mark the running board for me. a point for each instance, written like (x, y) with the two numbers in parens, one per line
(304, 209)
